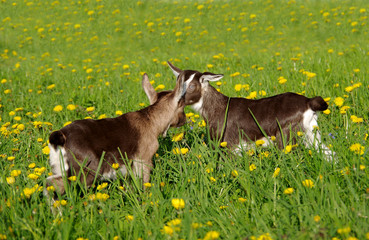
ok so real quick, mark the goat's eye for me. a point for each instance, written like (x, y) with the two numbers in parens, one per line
(191, 87)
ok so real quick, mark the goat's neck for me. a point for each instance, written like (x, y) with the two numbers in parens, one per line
(159, 117)
(214, 104)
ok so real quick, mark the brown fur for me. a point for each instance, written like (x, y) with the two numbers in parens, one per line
(130, 136)
(276, 116)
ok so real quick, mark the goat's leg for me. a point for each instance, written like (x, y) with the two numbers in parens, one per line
(142, 169)
(312, 135)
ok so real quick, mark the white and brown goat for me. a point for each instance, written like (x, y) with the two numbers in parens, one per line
(80, 145)
(248, 120)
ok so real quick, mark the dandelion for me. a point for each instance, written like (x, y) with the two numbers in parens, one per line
(147, 185)
(11, 158)
(15, 173)
(58, 108)
(259, 142)
(160, 87)
(327, 112)
(33, 176)
(276, 172)
(288, 191)
(234, 173)
(343, 231)
(308, 183)
(10, 180)
(238, 87)
(242, 200)
(178, 137)
(167, 230)
(357, 148)
(115, 165)
(178, 203)
(130, 218)
(211, 235)
(223, 144)
(102, 186)
(102, 196)
(118, 112)
(355, 119)
(252, 167)
(32, 165)
(344, 109)
(287, 149)
(317, 218)
(252, 95)
(71, 107)
(282, 80)
(90, 109)
(72, 178)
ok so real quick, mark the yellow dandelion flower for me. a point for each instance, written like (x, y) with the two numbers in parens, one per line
(115, 165)
(160, 87)
(238, 87)
(234, 173)
(90, 109)
(357, 148)
(10, 180)
(288, 191)
(147, 185)
(242, 200)
(130, 218)
(356, 119)
(223, 144)
(71, 107)
(167, 230)
(46, 150)
(58, 108)
(287, 149)
(308, 183)
(252, 167)
(259, 142)
(338, 101)
(72, 178)
(276, 172)
(211, 235)
(178, 203)
(178, 137)
(102, 186)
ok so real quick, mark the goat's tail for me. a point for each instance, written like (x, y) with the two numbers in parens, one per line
(56, 139)
(317, 104)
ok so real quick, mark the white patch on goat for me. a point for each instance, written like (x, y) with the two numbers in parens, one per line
(244, 146)
(312, 136)
(198, 106)
(58, 160)
(112, 174)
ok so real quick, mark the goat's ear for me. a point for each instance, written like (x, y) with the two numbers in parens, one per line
(210, 77)
(149, 89)
(175, 70)
(180, 89)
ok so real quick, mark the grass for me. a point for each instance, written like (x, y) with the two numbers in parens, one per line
(92, 54)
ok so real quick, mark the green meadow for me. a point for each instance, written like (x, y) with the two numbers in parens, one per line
(66, 60)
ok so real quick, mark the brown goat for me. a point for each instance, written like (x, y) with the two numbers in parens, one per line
(130, 136)
(230, 119)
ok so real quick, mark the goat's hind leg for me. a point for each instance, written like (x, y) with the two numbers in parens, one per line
(59, 167)
(312, 135)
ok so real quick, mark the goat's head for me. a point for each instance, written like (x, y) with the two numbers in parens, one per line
(179, 118)
(197, 82)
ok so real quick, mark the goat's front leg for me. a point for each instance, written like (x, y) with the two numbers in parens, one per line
(142, 169)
